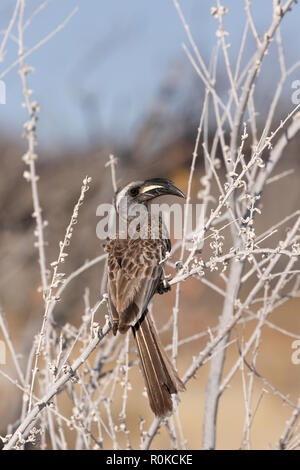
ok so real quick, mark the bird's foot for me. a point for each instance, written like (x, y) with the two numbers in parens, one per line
(163, 287)
(115, 327)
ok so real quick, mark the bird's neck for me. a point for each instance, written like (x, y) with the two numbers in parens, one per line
(139, 222)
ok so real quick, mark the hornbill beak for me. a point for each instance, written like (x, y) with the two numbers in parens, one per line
(156, 187)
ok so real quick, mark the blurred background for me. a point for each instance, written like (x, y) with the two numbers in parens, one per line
(116, 80)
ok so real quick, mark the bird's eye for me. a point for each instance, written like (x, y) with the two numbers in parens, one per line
(134, 192)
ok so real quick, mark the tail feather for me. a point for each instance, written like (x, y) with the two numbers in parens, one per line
(160, 377)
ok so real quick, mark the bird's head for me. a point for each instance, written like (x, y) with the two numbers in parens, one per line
(142, 192)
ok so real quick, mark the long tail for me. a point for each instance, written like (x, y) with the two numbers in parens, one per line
(160, 377)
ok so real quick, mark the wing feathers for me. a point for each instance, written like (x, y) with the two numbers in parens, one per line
(134, 272)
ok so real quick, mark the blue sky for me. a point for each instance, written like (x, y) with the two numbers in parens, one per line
(112, 55)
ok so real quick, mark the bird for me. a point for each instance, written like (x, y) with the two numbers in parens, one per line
(135, 273)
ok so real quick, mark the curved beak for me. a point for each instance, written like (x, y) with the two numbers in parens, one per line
(156, 187)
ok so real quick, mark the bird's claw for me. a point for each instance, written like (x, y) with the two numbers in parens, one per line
(163, 287)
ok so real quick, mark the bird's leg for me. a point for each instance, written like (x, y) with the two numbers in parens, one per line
(115, 326)
(114, 318)
(163, 286)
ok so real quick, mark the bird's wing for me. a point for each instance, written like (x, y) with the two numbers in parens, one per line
(134, 271)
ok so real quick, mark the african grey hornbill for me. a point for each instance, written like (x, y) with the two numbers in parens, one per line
(135, 274)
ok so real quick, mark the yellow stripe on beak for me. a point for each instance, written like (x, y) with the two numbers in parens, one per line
(150, 187)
